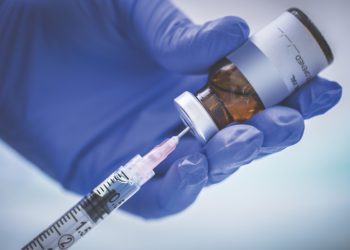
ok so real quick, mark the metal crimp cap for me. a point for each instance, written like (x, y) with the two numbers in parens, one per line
(194, 115)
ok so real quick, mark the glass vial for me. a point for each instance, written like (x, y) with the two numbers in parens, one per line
(272, 64)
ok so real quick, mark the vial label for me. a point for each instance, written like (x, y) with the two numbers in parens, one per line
(292, 49)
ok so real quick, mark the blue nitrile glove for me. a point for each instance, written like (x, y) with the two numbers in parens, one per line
(85, 85)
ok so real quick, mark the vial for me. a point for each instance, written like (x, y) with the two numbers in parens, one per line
(261, 73)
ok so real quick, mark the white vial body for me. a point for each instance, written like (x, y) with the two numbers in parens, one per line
(280, 58)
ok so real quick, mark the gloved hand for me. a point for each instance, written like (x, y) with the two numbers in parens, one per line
(85, 85)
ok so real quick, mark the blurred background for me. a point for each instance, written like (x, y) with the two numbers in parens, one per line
(296, 199)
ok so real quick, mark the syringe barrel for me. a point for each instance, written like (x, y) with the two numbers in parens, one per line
(106, 197)
(94, 207)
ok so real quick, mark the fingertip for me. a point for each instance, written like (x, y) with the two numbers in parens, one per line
(173, 192)
(327, 100)
(193, 49)
(315, 98)
(182, 183)
(222, 36)
(231, 26)
(231, 148)
(243, 25)
(281, 126)
(232, 134)
(193, 169)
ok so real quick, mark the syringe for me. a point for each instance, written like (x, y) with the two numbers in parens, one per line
(101, 201)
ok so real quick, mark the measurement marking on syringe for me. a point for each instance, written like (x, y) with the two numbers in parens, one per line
(73, 216)
(105, 187)
(40, 245)
(33, 244)
(92, 205)
(58, 222)
(56, 230)
(77, 207)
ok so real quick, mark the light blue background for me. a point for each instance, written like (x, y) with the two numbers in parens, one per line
(297, 199)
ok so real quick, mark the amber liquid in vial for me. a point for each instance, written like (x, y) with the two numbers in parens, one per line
(228, 96)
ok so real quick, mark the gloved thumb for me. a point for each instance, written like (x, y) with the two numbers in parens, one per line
(193, 49)
(181, 46)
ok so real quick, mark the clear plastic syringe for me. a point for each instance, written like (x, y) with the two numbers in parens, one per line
(102, 200)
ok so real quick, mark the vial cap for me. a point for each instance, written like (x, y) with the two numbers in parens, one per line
(194, 115)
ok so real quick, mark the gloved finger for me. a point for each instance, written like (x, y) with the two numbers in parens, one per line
(281, 126)
(315, 98)
(174, 191)
(231, 148)
(176, 43)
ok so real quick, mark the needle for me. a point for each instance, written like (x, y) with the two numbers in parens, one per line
(183, 132)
